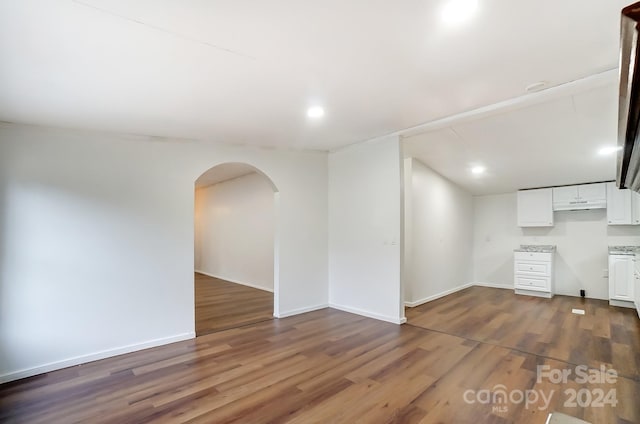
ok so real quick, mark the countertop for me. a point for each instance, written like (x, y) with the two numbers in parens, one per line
(539, 248)
(624, 250)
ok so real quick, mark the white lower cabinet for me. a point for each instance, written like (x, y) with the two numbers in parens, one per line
(622, 280)
(636, 288)
(533, 273)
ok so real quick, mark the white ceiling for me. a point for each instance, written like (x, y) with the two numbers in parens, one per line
(553, 140)
(245, 71)
(224, 172)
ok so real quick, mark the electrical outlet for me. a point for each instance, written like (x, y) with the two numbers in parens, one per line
(605, 272)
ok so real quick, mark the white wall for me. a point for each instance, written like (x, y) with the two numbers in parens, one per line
(97, 240)
(235, 224)
(364, 229)
(582, 238)
(441, 235)
(406, 229)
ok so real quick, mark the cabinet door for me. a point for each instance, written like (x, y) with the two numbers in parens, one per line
(565, 194)
(619, 208)
(636, 283)
(533, 283)
(596, 191)
(535, 208)
(635, 208)
(636, 292)
(621, 277)
(542, 269)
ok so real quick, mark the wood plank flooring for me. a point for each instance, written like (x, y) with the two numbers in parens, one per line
(545, 327)
(329, 366)
(221, 305)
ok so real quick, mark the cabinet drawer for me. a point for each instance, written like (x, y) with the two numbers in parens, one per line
(533, 283)
(533, 256)
(533, 268)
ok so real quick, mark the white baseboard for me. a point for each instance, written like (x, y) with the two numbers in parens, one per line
(437, 296)
(494, 285)
(534, 293)
(234, 281)
(368, 314)
(83, 359)
(301, 310)
(622, 303)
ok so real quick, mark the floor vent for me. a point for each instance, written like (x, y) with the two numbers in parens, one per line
(578, 311)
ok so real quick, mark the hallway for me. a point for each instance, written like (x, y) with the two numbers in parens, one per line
(221, 305)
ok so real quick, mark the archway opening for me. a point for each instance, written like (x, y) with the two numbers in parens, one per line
(235, 248)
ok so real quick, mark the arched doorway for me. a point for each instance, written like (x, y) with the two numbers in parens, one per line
(235, 247)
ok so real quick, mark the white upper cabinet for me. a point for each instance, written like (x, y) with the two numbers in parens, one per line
(535, 208)
(562, 195)
(593, 192)
(585, 196)
(623, 206)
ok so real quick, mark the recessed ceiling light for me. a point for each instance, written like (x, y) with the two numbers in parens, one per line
(608, 150)
(456, 11)
(477, 170)
(315, 112)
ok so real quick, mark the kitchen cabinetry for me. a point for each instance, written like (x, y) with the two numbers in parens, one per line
(623, 206)
(533, 273)
(636, 286)
(535, 208)
(622, 280)
(585, 196)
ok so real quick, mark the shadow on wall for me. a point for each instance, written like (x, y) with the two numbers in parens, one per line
(4, 204)
(536, 232)
(630, 232)
(567, 281)
(502, 275)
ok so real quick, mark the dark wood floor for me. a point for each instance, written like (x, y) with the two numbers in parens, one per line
(329, 366)
(545, 327)
(221, 305)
